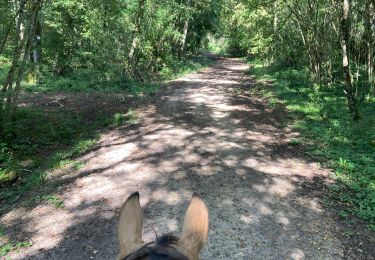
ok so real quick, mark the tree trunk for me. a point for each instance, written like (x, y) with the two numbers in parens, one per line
(6, 91)
(184, 37)
(276, 20)
(345, 36)
(18, 46)
(185, 32)
(30, 39)
(35, 56)
(133, 47)
(276, 34)
(368, 37)
(23, 45)
(138, 30)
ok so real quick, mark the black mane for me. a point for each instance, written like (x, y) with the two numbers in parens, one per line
(161, 249)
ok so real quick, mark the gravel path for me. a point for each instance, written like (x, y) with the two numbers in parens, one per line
(201, 136)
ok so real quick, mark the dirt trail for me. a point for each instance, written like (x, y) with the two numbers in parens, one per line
(199, 137)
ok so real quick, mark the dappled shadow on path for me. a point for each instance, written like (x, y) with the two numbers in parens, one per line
(200, 136)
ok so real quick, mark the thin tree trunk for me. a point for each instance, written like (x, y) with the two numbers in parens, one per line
(133, 47)
(345, 35)
(35, 55)
(276, 34)
(138, 30)
(25, 44)
(6, 91)
(18, 46)
(37, 4)
(368, 37)
(184, 37)
(276, 20)
(185, 31)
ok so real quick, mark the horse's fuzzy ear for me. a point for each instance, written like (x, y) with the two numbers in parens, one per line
(130, 227)
(195, 230)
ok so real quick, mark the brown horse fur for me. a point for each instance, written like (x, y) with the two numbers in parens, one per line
(194, 233)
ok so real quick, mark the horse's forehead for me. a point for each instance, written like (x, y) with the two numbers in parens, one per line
(186, 253)
(156, 252)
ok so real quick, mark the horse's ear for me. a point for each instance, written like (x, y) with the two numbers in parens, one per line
(195, 230)
(130, 227)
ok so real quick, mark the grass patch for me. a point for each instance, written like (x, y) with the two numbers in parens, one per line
(78, 165)
(39, 143)
(130, 118)
(294, 142)
(54, 200)
(321, 115)
(8, 247)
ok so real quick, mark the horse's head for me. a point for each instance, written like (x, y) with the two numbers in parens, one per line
(193, 236)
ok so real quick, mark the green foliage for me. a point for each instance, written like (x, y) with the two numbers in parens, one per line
(114, 80)
(5, 249)
(299, 34)
(54, 200)
(66, 136)
(141, 89)
(130, 117)
(347, 147)
(98, 37)
(78, 165)
(217, 45)
(294, 142)
(79, 80)
(253, 32)
(4, 67)
(8, 247)
(6, 176)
